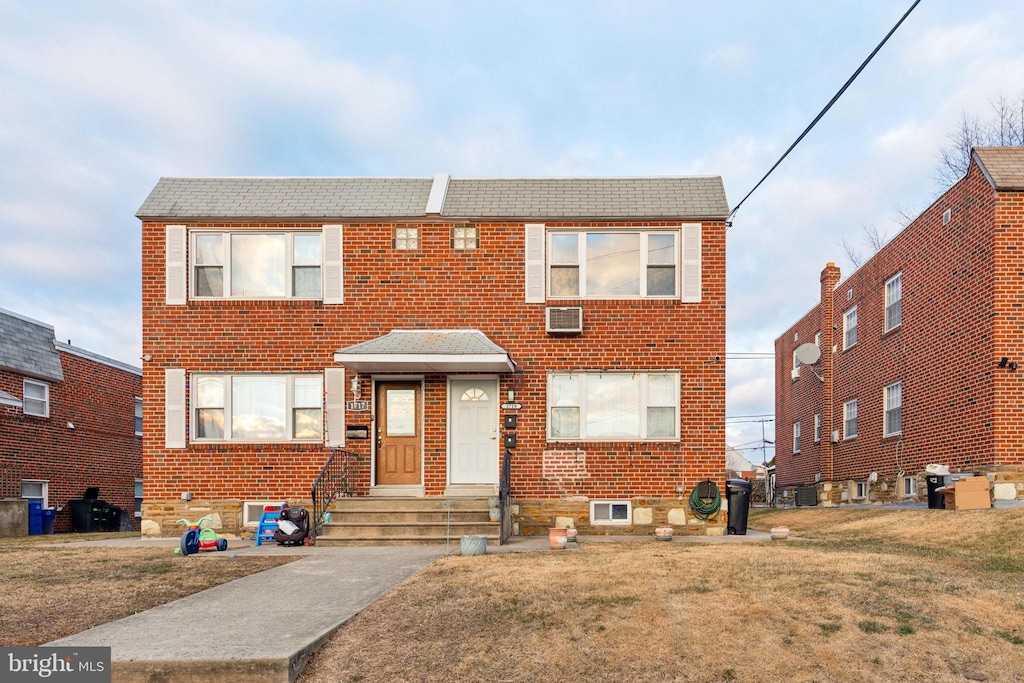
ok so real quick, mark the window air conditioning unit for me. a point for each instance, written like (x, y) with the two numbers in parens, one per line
(565, 320)
(835, 436)
(795, 374)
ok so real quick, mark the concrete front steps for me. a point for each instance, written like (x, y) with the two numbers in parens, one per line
(407, 521)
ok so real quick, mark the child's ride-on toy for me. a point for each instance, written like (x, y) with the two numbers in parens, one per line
(196, 538)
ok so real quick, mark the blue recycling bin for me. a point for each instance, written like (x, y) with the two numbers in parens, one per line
(35, 517)
(49, 515)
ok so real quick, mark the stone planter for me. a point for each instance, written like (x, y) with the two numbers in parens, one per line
(473, 545)
(558, 537)
(780, 533)
(663, 533)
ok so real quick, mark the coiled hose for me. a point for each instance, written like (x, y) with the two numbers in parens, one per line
(703, 509)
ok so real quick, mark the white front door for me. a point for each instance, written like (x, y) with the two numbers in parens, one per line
(474, 431)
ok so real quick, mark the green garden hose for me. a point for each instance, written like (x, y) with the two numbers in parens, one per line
(703, 509)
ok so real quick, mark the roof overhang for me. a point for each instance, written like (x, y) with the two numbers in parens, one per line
(8, 400)
(433, 351)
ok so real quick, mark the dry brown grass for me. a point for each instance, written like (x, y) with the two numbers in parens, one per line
(48, 592)
(887, 596)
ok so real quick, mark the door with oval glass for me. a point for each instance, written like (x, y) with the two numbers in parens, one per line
(399, 439)
(474, 431)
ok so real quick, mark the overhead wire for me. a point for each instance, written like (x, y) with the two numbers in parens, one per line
(828, 106)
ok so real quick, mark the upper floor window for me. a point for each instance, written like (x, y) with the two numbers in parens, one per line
(257, 407)
(893, 301)
(406, 238)
(36, 398)
(850, 328)
(893, 409)
(138, 416)
(796, 437)
(613, 406)
(255, 265)
(850, 419)
(817, 427)
(613, 264)
(465, 237)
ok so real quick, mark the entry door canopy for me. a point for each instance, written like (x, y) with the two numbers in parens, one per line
(441, 351)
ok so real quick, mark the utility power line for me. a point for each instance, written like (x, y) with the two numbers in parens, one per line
(828, 106)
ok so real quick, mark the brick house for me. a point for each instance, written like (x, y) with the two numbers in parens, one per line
(418, 327)
(919, 354)
(69, 419)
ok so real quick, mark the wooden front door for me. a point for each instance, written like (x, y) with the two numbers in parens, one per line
(399, 439)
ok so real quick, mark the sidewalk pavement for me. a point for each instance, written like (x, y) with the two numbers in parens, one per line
(263, 628)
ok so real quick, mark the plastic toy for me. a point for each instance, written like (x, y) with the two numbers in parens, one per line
(197, 538)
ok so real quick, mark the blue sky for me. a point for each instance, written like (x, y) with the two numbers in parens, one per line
(100, 99)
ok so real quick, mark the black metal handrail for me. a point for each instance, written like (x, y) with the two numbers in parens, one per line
(332, 483)
(504, 498)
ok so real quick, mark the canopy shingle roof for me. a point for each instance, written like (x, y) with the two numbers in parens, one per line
(27, 347)
(1003, 166)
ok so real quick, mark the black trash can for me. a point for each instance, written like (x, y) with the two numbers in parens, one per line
(737, 493)
(936, 499)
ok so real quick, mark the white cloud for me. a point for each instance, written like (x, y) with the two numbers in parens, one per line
(732, 57)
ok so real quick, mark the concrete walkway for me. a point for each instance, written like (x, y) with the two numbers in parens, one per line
(263, 628)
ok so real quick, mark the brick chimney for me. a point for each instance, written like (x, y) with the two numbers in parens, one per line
(829, 279)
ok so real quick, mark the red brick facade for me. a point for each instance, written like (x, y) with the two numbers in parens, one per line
(101, 449)
(438, 287)
(961, 289)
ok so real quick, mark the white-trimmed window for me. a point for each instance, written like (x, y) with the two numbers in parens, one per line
(893, 397)
(611, 512)
(465, 237)
(35, 398)
(138, 497)
(796, 436)
(850, 328)
(138, 416)
(817, 341)
(893, 301)
(36, 489)
(406, 239)
(613, 406)
(817, 427)
(850, 419)
(256, 407)
(256, 265)
(860, 490)
(613, 264)
(252, 510)
(909, 486)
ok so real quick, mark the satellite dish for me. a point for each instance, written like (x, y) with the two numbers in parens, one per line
(808, 354)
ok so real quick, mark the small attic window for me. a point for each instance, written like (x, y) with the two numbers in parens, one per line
(947, 216)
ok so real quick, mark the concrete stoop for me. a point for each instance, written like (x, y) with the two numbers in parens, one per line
(407, 521)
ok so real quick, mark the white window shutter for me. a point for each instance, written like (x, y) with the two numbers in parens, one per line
(535, 275)
(334, 288)
(334, 386)
(691, 262)
(174, 408)
(176, 265)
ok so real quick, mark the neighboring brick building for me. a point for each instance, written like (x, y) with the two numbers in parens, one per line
(269, 305)
(920, 352)
(69, 420)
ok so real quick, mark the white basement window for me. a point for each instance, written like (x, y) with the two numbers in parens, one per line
(611, 512)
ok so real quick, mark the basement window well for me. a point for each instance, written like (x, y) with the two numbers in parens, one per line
(611, 512)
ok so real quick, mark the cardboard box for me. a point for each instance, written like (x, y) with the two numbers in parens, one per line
(968, 494)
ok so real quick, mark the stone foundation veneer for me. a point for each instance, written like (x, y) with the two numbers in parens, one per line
(160, 518)
(531, 517)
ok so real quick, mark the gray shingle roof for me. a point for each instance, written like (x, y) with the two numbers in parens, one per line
(527, 198)
(1003, 166)
(27, 347)
(427, 342)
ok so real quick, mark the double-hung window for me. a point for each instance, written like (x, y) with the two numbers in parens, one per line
(257, 407)
(850, 419)
(850, 328)
(613, 406)
(35, 398)
(138, 416)
(613, 264)
(817, 427)
(796, 436)
(893, 301)
(256, 265)
(893, 409)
